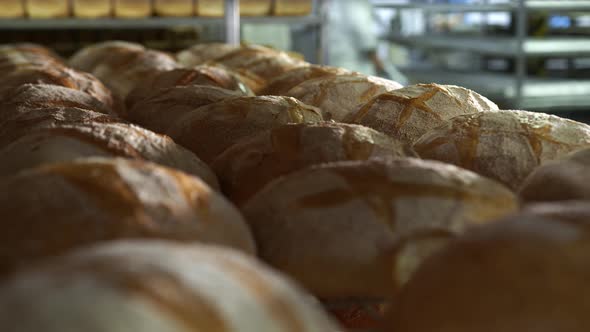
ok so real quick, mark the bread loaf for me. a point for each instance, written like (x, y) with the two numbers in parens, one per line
(174, 7)
(247, 7)
(88, 58)
(338, 96)
(47, 8)
(526, 273)
(285, 82)
(572, 211)
(163, 108)
(152, 286)
(248, 166)
(564, 179)
(56, 208)
(64, 142)
(92, 8)
(210, 129)
(410, 112)
(505, 145)
(38, 118)
(358, 230)
(27, 50)
(12, 9)
(292, 7)
(201, 75)
(201, 53)
(132, 8)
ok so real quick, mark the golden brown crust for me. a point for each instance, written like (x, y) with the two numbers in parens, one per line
(290, 79)
(164, 108)
(410, 112)
(209, 130)
(47, 8)
(527, 273)
(92, 8)
(174, 7)
(292, 7)
(503, 145)
(388, 214)
(201, 53)
(58, 207)
(338, 96)
(132, 8)
(247, 166)
(564, 179)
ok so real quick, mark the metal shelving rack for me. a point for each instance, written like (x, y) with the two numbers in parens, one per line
(515, 90)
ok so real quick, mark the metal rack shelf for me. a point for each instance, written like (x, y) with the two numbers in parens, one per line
(486, 6)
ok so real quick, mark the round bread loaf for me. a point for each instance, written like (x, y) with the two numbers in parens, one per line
(503, 145)
(35, 119)
(358, 229)
(34, 96)
(88, 58)
(527, 273)
(247, 166)
(55, 208)
(285, 82)
(209, 130)
(564, 179)
(19, 56)
(163, 108)
(566, 211)
(201, 53)
(27, 48)
(155, 286)
(410, 112)
(68, 142)
(201, 75)
(338, 96)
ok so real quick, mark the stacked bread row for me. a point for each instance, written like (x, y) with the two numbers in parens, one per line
(145, 8)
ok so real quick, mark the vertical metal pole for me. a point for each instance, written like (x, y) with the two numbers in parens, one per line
(521, 57)
(232, 22)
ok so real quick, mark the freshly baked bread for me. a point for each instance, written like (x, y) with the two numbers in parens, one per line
(200, 75)
(210, 129)
(132, 8)
(340, 95)
(564, 179)
(25, 50)
(285, 82)
(292, 7)
(92, 8)
(248, 166)
(34, 119)
(155, 286)
(410, 112)
(526, 273)
(65, 142)
(47, 8)
(164, 107)
(88, 58)
(215, 8)
(33, 96)
(12, 9)
(204, 52)
(504, 145)
(174, 7)
(387, 214)
(566, 211)
(55, 208)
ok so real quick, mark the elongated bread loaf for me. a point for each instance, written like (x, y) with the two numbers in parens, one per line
(47, 8)
(290, 79)
(153, 286)
(132, 8)
(338, 96)
(527, 273)
(12, 8)
(248, 166)
(503, 145)
(210, 129)
(174, 7)
(58, 207)
(410, 112)
(92, 8)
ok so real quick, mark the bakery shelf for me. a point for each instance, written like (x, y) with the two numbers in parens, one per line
(569, 46)
(537, 93)
(486, 6)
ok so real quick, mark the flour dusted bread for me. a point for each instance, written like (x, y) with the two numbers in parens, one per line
(293, 7)
(526, 273)
(564, 179)
(290, 79)
(65, 142)
(12, 8)
(410, 112)
(154, 286)
(56, 208)
(247, 166)
(338, 96)
(174, 7)
(200, 75)
(47, 8)
(132, 8)
(92, 8)
(163, 108)
(372, 204)
(210, 129)
(503, 145)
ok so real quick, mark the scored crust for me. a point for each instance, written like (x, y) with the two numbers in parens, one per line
(285, 82)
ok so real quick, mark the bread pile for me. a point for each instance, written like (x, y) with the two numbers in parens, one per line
(240, 188)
